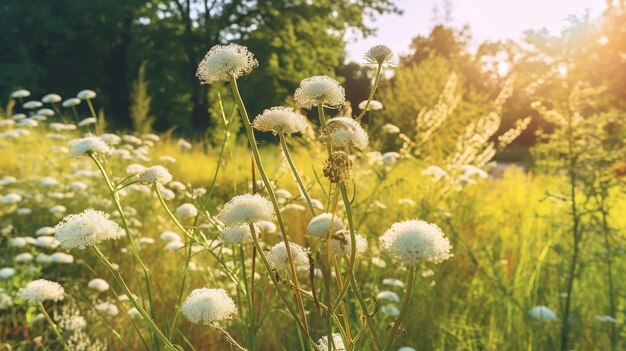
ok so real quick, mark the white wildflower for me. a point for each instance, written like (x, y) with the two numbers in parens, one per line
(168, 236)
(20, 94)
(207, 306)
(87, 121)
(235, 235)
(543, 313)
(108, 308)
(186, 211)
(23, 257)
(415, 240)
(61, 257)
(246, 209)
(321, 224)
(87, 146)
(281, 120)
(46, 242)
(344, 132)
(11, 198)
(157, 174)
(388, 296)
(393, 282)
(98, 284)
(342, 243)
(224, 61)
(31, 105)
(174, 245)
(277, 257)
(7, 272)
(320, 90)
(379, 54)
(41, 290)
(322, 343)
(86, 229)
(86, 94)
(375, 105)
(51, 98)
(389, 310)
(71, 102)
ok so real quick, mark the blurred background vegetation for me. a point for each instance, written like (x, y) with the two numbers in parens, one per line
(141, 56)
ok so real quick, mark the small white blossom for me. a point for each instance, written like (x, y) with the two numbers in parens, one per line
(157, 174)
(281, 120)
(344, 132)
(186, 211)
(246, 209)
(31, 105)
(88, 145)
(342, 243)
(108, 308)
(98, 284)
(51, 98)
(379, 54)
(278, 259)
(7, 272)
(415, 240)
(320, 90)
(41, 290)
(375, 105)
(86, 94)
(322, 343)
(20, 94)
(207, 306)
(543, 313)
(71, 102)
(61, 257)
(86, 229)
(223, 61)
(321, 224)
(87, 121)
(235, 235)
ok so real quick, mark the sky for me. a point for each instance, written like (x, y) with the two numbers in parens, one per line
(488, 20)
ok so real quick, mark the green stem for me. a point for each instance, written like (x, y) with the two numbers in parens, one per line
(229, 338)
(372, 92)
(352, 261)
(272, 196)
(54, 327)
(294, 170)
(403, 308)
(133, 245)
(368, 318)
(251, 322)
(131, 297)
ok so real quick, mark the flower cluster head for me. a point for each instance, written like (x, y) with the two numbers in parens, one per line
(21, 93)
(278, 259)
(412, 241)
(320, 90)
(86, 94)
(88, 146)
(186, 211)
(51, 98)
(343, 132)
(207, 306)
(236, 235)
(324, 224)
(379, 54)
(223, 61)
(375, 105)
(246, 209)
(41, 290)
(87, 228)
(342, 243)
(542, 313)
(322, 343)
(280, 120)
(157, 174)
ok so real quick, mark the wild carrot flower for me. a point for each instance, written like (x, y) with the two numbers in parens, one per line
(157, 174)
(320, 90)
(61, 257)
(375, 105)
(344, 132)
(543, 313)
(7, 272)
(20, 94)
(71, 102)
(235, 235)
(388, 296)
(338, 344)
(207, 306)
(186, 211)
(51, 99)
(87, 146)
(321, 224)
(86, 94)
(98, 284)
(31, 105)
(223, 61)
(246, 209)
(278, 259)
(342, 243)
(379, 54)
(168, 236)
(413, 241)
(41, 290)
(87, 121)
(107, 308)
(280, 120)
(87, 228)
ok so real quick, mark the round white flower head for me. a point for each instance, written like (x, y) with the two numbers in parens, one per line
(415, 240)
(31, 105)
(107, 308)
(158, 174)
(135, 168)
(87, 121)
(168, 236)
(342, 243)
(88, 145)
(321, 224)
(394, 282)
(406, 348)
(387, 296)
(236, 235)
(282, 120)
(375, 105)
(379, 54)
(51, 98)
(320, 90)
(86, 94)
(391, 129)
(7, 272)
(246, 208)
(207, 306)
(277, 257)
(344, 132)
(390, 310)
(222, 61)
(543, 313)
(111, 138)
(186, 211)
(71, 102)
(41, 290)
(61, 257)
(98, 284)
(21, 93)
(322, 343)
(87, 228)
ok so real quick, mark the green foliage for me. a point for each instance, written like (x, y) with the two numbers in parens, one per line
(140, 103)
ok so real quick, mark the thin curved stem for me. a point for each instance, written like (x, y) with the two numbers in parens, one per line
(403, 308)
(131, 297)
(229, 338)
(368, 318)
(294, 170)
(272, 196)
(54, 327)
(372, 92)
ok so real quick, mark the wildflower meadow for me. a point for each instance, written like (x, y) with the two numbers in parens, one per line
(391, 224)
